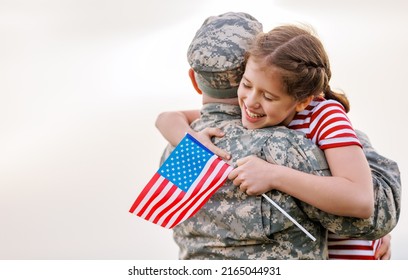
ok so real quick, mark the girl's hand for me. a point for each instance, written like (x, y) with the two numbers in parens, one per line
(251, 175)
(384, 252)
(205, 135)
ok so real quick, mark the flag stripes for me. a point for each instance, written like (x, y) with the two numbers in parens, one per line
(163, 203)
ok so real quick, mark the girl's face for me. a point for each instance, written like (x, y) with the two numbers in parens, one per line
(262, 99)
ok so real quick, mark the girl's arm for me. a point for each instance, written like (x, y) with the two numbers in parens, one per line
(174, 125)
(348, 192)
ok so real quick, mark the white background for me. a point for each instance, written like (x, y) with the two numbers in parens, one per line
(82, 81)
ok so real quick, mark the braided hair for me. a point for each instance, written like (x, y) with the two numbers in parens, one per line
(301, 59)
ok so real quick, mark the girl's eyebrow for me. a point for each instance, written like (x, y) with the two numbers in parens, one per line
(276, 96)
(245, 79)
(273, 95)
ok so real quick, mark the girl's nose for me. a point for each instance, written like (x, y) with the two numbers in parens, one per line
(252, 100)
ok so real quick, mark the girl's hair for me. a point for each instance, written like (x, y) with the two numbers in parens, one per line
(301, 59)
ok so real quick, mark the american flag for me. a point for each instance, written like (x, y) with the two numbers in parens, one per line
(182, 185)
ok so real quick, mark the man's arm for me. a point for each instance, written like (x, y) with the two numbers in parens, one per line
(386, 177)
(387, 199)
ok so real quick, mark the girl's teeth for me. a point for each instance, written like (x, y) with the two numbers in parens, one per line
(252, 115)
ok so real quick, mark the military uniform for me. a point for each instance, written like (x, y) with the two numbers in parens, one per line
(233, 225)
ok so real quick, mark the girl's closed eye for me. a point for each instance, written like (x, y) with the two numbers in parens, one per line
(245, 84)
(269, 97)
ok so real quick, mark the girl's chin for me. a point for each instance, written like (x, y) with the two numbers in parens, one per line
(250, 125)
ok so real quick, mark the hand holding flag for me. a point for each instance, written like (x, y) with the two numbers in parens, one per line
(182, 185)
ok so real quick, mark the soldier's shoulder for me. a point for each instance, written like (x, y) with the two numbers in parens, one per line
(280, 132)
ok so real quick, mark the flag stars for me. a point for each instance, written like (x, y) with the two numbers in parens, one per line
(185, 163)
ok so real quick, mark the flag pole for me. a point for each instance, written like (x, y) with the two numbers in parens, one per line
(289, 217)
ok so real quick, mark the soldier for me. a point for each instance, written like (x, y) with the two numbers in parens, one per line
(233, 225)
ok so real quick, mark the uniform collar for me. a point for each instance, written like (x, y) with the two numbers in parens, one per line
(222, 110)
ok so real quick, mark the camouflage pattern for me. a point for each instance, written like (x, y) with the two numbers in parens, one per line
(387, 198)
(387, 185)
(233, 225)
(217, 52)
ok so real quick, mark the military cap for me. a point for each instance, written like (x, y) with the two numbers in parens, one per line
(217, 52)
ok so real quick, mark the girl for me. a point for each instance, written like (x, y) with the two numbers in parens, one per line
(286, 82)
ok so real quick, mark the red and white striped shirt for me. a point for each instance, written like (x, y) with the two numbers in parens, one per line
(352, 249)
(325, 122)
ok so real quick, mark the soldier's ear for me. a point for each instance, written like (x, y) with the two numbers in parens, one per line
(191, 74)
(301, 105)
